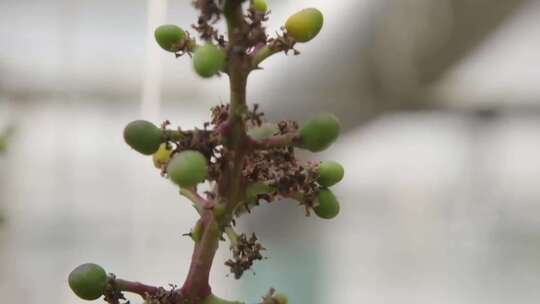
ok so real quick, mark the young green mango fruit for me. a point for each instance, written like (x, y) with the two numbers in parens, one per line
(188, 168)
(88, 281)
(259, 6)
(143, 136)
(327, 205)
(208, 60)
(305, 24)
(169, 37)
(161, 156)
(330, 173)
(280, 298)
(319, 132)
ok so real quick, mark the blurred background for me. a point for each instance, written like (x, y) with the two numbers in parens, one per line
(440, 102)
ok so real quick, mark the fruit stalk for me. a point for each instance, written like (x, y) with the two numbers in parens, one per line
(196, 286)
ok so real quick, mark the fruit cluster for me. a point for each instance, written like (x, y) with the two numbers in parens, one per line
(270, 168)
(243, 158)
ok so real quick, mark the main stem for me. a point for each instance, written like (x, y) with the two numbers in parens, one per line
(196, 287)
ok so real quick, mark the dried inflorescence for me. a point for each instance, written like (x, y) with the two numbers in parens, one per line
(245, 251)
(276, 167)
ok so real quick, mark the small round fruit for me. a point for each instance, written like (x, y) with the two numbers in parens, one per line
(305, 25)
(208, 60)
(320, 132)
(330, 173)
(188, 168)
(88, 281)
(143, 136)
(327, 205)
(169, 37)
(263, 132)
(259, 6)
(162, 156)
(280, 298)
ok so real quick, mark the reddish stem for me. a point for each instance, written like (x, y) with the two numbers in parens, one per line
(196, 286)
(138, 288)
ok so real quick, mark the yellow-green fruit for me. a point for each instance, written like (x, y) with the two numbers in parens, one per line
(188, 168)
(263, 132)
(259, 6)
(162, 156)
(169, 37)
(330, 173)
(280, 298)
(319, 132)
(305, 25)
(88, 281)
(327, 206)
(143, 136)
(208, 60)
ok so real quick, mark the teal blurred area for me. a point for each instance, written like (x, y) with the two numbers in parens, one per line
(440, 105)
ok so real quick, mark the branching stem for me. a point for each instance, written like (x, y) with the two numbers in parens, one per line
(196, 288)
(140, 289)
(262, 54)
(198, 201)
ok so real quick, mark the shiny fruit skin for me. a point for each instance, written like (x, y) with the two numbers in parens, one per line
(330, 173)
(305, 24)
(320, 132)
(162, 156)
(259, 6)
(188, 168)
(327, 205)
(143, 136)
(169, 37)
(88, 281)
(208, 60)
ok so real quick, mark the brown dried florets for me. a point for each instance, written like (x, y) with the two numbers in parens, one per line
(245, 252)
(283, 42)
(210, 10)
(256, 31)
(276, 167)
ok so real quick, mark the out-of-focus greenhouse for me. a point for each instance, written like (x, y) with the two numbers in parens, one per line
(440, 103)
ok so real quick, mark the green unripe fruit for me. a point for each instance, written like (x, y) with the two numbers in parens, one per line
(208, 60)
(320, 132)
(143, 136)
(280, 298)
(88, 281)
(263, 132)
(188, 168)
(259, 6)
(169, 37)
(162, 156)
(330, 173)
(327, 205)
(305, 25)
